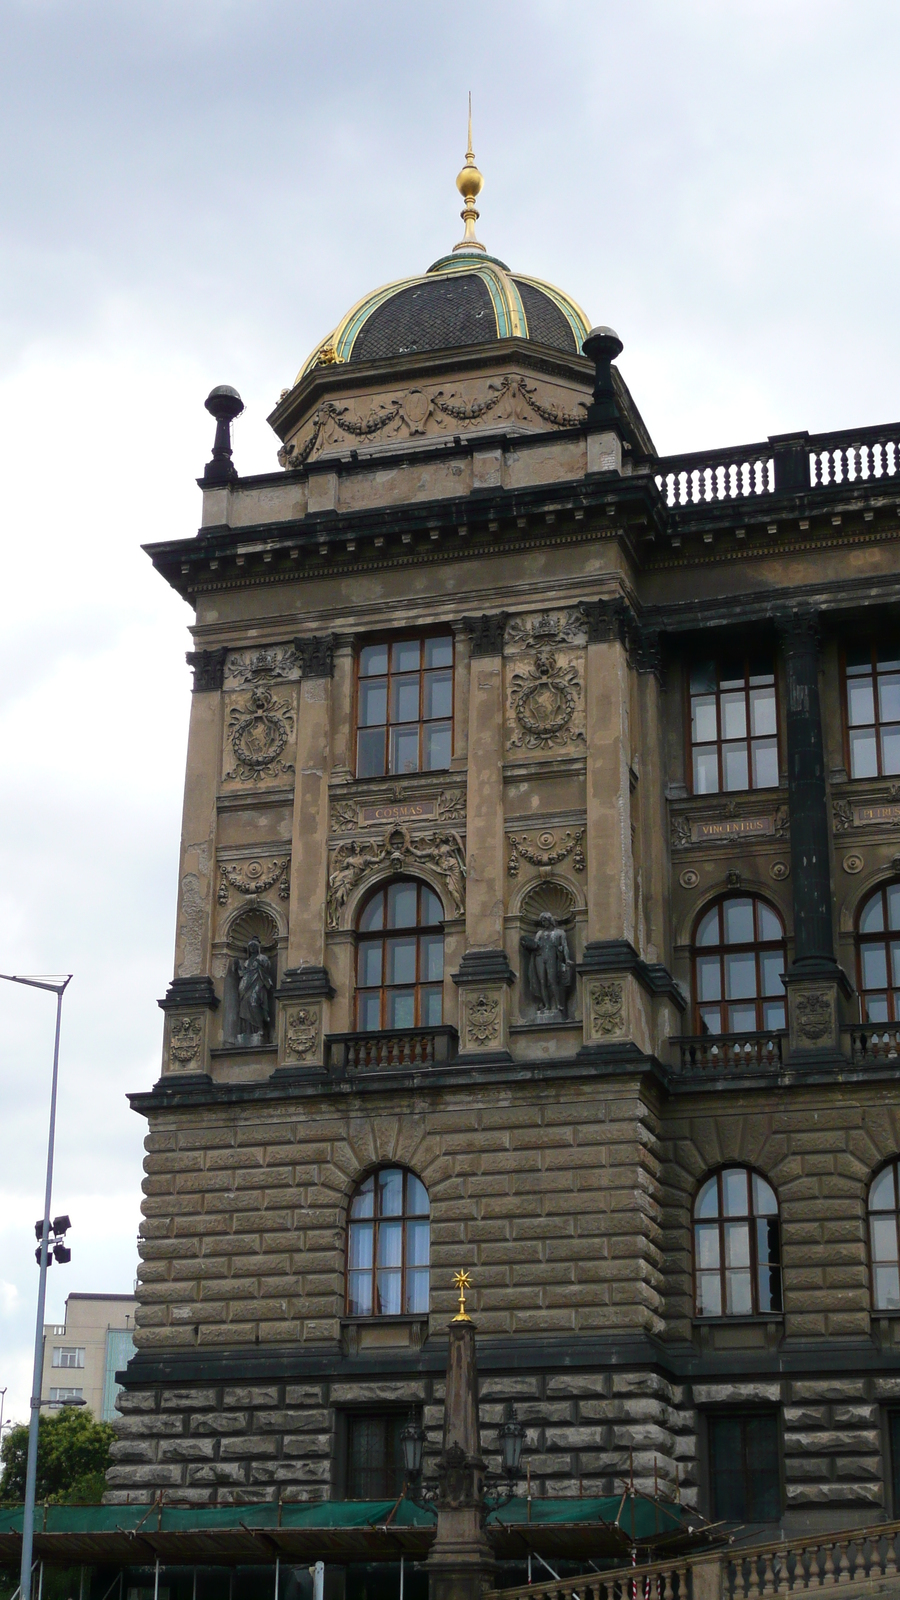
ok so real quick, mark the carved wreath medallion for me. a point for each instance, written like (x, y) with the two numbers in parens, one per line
(254, 879)
(185, 1039)
(483, 1018)
(258, 732)
(544, 699)
(607, 1009)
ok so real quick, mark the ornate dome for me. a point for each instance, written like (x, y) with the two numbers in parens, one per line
(465, 298)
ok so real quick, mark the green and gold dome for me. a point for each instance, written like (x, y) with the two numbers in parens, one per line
(465, 298)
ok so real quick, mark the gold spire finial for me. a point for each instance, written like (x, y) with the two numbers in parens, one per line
(461, 1280)
(469, 183)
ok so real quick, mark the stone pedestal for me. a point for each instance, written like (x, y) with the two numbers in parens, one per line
(460, 1564)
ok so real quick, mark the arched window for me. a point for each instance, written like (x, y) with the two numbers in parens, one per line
(737, 1246)
(388, 1247)
(883, 1238)
(739, 957)
(878, 955)
(400, 958)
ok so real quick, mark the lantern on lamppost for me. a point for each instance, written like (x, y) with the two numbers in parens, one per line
(412, 1443)
(511, 1434)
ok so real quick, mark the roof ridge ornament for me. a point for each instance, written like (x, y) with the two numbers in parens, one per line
(469, 183)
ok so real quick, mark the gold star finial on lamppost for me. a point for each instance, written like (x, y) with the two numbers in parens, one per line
(462, 1282)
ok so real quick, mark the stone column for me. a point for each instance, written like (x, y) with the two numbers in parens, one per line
(460, 1563)
(484, 974)
(305, 983)
(191, 995)
(814, 979)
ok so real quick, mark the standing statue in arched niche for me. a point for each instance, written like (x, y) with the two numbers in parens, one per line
(249, 983)
(548, 969)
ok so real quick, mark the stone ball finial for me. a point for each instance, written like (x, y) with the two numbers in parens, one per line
(223, 403)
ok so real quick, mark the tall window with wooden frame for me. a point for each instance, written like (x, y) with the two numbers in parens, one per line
(739, 955)
(884, 1237)
(878, 955)
(737, 1246)
(733, 724)
(404, 706)
(400, 958)
(389, 1245)
(872, 703)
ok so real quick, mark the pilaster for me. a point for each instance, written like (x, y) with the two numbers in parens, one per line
(814, 980)
(306, 984)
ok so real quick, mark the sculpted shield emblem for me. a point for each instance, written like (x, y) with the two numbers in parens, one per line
(259, 732)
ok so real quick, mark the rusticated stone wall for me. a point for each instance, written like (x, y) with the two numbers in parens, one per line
(549, 1196)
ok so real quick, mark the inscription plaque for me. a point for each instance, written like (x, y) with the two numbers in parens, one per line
(731, 828)
(405, 811)
(863, 816)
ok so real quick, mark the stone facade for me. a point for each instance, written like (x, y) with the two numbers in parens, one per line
(562, 1155)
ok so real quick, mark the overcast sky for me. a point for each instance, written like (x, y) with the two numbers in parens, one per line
(193, 192)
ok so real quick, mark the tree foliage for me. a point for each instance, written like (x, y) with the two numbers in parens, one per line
(73, 1455)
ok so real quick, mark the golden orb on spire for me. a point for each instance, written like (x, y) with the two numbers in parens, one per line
(469, 183)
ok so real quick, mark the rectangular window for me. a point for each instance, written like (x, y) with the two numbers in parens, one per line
(375, 1456)
(734, 724)
(744, 1471)
(67, 1356)
(56, 1395)
(872, 684)
(404, 706)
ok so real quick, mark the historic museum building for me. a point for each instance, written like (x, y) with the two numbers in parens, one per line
(538, 916)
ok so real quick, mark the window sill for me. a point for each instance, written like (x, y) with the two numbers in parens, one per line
(764, 1332)
(364, 1335)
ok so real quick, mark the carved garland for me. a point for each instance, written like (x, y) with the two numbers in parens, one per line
(254, 879)
(549, 853)
(294, 456)
(397, 851)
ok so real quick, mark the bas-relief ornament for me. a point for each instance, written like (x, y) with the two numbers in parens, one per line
(279, 661)
(418, 412)
(258, 731)
(185, 1041)
(396, 851)
(842, 815)
(545, 702)
(482, 1019)
(814, 1016)
(607, 1009)
(547, 850)
(551, 628)
(255, 878)
(301, 1033)
(190, 926)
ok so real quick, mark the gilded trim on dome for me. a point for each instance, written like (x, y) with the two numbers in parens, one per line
(509, 312)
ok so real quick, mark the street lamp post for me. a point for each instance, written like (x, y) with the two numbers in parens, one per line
(55, 986)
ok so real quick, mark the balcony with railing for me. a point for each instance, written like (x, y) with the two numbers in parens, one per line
(714, 1053)
(391, 1050)
(781, 464)
(871, 1046)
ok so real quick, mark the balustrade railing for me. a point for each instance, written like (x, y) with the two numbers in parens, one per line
(394, 1049)
(866, 1558)
(869, 1044)
(730, 1052)
(804, 461)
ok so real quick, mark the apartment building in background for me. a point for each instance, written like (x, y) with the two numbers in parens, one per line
(83, 1354)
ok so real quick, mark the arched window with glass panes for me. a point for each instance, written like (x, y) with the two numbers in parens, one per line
(737, 1246)
(878, 955)
(884, 1237)
(739, 956)
(388, 1245)
(400, 958)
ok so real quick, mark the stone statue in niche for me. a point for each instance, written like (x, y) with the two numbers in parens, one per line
(249, 983)
(548, 969)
